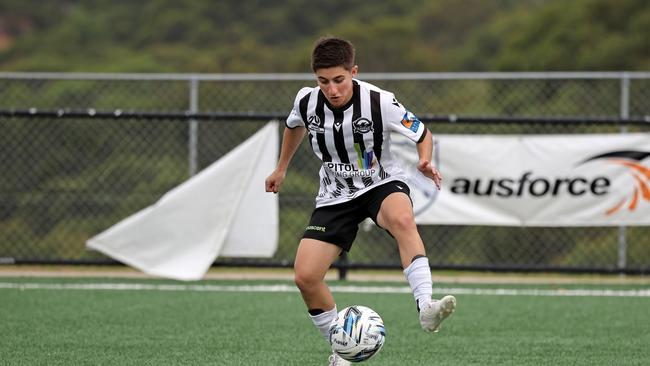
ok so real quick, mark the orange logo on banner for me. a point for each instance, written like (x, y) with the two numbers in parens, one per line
(640, 190)
(631, 160)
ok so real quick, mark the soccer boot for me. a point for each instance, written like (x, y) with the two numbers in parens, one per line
(336, 360)
(433, 312)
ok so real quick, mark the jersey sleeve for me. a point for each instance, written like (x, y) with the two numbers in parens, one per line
(295, 118)
(401, 120)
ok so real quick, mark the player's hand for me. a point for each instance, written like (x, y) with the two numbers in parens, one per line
(430, 171)
(274, 181)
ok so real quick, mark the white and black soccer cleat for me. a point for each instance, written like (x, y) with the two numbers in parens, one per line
(433, 312)
(336, 360)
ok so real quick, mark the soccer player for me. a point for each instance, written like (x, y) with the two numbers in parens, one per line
(348, 123)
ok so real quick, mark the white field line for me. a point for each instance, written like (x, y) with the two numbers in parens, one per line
(340, 289)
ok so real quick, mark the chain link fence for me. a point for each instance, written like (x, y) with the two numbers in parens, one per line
(65, 179)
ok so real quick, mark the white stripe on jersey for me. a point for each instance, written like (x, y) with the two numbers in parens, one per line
(353, 142)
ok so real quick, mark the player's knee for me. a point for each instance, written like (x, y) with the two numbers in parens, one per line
(306, 280)
(401, 223)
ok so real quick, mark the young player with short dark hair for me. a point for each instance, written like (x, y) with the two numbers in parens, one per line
(348, 123)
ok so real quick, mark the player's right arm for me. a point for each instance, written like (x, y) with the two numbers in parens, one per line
(293, 135)
(290, 142)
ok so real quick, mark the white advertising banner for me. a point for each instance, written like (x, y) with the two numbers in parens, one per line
(222, 211)
(552, 180)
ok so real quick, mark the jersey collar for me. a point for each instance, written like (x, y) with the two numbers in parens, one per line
(355, 93)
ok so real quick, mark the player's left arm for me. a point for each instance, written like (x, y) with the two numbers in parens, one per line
(407, 124)
(425, 151)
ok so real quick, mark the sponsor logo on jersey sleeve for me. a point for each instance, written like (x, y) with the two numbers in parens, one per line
(410, 121)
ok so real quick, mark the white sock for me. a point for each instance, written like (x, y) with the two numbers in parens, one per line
(323, 321)
(418, 274)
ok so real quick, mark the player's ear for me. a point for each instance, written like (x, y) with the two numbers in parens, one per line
(354, 70)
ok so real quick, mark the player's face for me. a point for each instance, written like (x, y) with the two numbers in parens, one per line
(336, 84)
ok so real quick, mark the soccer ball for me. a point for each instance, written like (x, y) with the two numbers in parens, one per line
(357, 334)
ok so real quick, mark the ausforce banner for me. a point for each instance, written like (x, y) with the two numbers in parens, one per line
(554, 180)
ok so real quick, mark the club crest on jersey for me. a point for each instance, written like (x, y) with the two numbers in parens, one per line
(362, 125)
(314, 124)
(410, 121)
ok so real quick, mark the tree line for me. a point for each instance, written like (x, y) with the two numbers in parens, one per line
(276, 36)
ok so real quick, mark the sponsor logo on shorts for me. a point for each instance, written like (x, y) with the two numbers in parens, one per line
(315, 228)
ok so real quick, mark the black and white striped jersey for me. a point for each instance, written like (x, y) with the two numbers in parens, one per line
(353, 142)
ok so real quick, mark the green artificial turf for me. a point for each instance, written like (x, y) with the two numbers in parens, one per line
(189, 327)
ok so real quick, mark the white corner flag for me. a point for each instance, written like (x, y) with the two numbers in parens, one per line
(223, 210)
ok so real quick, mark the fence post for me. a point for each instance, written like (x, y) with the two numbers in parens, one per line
(193, 148)
(624, 114)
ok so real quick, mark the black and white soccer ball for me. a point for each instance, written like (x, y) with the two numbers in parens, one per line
(357, 334)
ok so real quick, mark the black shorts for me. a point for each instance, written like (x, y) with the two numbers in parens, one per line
(338, 224)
